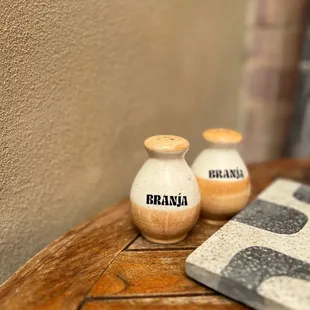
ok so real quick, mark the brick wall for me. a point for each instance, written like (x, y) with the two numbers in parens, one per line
(299, 142)
(272, 51)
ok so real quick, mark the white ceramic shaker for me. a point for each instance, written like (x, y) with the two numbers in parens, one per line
(222, 176)
(165, 197)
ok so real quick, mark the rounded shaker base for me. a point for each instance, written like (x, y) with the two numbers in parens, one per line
(216, 222)
(164, 241)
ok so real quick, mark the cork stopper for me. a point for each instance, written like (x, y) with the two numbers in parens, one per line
(222, 136)
(166, 144)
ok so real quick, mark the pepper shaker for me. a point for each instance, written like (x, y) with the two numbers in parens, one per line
(165, 197)
(222, 176)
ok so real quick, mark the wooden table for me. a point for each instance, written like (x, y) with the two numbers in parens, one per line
(105, 263)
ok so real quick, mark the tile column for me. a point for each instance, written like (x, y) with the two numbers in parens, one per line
(272, 51)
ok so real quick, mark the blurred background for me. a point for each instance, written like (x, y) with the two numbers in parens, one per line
(83, 84)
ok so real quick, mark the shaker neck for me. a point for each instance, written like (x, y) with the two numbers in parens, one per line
(222, 146)
(167, 155)
(166, 146)
(222, 138)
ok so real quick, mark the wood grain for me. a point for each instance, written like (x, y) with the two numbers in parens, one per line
(200, 233)
(60, 276)
(103, 257)
(179, 303)
(151, 273)
(263, 174)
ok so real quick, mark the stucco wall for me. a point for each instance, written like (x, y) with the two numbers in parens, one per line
(83, 83)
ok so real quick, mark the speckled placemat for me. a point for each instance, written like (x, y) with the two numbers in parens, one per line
(262, 256)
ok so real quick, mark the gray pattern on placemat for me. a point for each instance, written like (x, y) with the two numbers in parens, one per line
(272, 217)
(303, 194)
(253, 265)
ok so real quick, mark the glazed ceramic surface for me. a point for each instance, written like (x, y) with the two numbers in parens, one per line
(165, 197)
(222, 176)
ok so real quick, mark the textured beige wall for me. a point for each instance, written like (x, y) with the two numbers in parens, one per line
(84, 82)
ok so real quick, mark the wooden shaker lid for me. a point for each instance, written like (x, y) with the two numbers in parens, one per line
(222, 136)
(166, 143)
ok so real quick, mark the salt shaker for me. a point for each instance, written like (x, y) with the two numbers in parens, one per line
(165, 197)
(222, 176)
